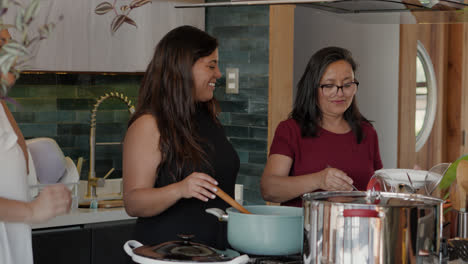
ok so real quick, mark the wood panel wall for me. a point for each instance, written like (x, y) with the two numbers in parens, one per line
(407, 97)
(447, 45)
(455, 93)
(281, 61)
(434, 37)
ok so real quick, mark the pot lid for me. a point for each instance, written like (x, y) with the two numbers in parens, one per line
(375, 198)
(182, 251)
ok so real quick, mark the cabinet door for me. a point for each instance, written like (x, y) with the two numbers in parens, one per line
(108, 240)
(61, 245)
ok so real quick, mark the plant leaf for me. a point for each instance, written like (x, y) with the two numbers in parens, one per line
(4, 57)
(3, 11)
(31, 11)
(15, 49)
(451, 174)
(20, 20)
(6, 26)
(4, 87)
(6, 66)
(45, 30)
(138, 3)
(130, 21)
(117, 22)
(103, 8)
(124, 8)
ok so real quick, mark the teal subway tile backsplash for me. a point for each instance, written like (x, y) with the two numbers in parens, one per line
(234, 106)
(37, 104)
(73, 129)
(74, 103)
(38, 129)
(251, 169)
(243, 156)
(249, 119)
(46, 117)
(249, 144)
(24, 117)
(242, 32)
(258, 107)
(67, 116)
(257, 157)
(58, 105)
(258, 132)
(237, 131)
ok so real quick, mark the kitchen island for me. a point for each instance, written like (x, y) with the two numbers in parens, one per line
(84, 236)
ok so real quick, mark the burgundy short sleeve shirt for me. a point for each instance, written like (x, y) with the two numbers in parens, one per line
(341, 151)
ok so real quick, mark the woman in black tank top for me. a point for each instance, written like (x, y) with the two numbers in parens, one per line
(175, 151)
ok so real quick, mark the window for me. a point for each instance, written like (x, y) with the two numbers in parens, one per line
(426, 96)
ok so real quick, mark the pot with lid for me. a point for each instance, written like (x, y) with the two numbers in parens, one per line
(181, 252)
(372, 227)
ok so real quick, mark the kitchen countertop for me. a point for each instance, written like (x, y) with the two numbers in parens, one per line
(82, 216)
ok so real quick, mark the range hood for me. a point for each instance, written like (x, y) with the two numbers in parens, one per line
(353, 6)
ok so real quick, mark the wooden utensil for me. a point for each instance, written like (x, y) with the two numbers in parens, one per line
(462, 184)
(228, 199)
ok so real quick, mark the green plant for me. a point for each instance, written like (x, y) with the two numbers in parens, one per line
(15, 55)
(121, 14)
(451, 174)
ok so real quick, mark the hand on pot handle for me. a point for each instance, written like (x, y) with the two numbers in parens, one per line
(332, 179)
(198, 185)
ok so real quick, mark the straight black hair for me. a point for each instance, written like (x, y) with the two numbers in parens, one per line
(306, 109)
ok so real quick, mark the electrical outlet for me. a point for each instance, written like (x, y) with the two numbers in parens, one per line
(232, 80)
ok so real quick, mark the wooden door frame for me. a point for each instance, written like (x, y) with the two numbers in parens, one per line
(407, 96)
(281, 61)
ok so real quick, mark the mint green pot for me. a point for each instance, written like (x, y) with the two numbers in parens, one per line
(269, 230)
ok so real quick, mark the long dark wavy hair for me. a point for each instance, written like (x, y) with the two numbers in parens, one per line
(167, 92)
(306, 109)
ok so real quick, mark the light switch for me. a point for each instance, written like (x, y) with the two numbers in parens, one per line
(232, 80)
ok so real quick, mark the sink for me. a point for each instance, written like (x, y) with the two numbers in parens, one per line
(110, 191)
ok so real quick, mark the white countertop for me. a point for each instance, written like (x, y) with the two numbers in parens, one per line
(82, 216)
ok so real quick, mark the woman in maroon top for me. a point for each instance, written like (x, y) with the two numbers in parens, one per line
(326, 144)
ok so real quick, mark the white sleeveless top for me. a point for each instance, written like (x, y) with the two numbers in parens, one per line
(15, 238)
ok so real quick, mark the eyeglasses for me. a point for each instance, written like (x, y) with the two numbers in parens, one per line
(332, 89)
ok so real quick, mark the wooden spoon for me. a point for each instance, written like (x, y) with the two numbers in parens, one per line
(462, 184)
(228, 199)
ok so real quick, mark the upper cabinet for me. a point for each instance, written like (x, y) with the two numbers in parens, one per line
(82, 41)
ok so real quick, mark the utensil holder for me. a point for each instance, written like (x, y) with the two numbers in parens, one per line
(459, 226)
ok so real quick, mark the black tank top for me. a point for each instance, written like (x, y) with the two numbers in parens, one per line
(188, 216)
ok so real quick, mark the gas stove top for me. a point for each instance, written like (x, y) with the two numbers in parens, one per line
(290, 259)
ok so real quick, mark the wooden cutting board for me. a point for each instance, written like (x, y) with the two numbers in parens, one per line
(104, 204)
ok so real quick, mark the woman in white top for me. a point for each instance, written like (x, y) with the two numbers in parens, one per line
(16, 213)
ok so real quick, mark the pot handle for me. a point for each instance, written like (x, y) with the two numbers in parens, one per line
(360, 213)
(222, 216)
(130, 245)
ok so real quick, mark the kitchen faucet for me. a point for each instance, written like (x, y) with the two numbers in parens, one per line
(93, 181)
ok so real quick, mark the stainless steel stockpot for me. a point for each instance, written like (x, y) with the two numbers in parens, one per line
(372, 227)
